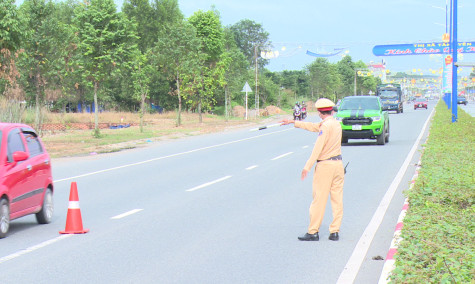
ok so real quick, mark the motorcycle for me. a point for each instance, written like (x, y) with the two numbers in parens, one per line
(304, 113)
(297, 114)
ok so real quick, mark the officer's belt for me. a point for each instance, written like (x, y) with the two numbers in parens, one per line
(334, 158)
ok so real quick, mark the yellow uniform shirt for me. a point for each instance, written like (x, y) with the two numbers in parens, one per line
(328, 142)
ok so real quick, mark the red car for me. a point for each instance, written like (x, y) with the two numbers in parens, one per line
(26, 183)
(420, 103)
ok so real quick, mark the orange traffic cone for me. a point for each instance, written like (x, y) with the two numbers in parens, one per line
(74, 220)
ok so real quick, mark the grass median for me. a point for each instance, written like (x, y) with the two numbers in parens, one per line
(438, 237)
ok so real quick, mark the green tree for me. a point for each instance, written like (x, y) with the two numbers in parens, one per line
(141, 70)
(166, 12)
(235, 71)
(296, 82)
(367, 82)
(141, 12)
(346, 68)
(106, 41)
(10, 39)
(177, 54)
(324, 78)
(210, 32)
(68, 79)
(40, 60)
(251, 38)
(269, 90)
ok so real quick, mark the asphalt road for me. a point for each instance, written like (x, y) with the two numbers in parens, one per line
(218, 208)
(469, 108)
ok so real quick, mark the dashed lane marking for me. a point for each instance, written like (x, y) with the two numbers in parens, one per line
(281, 156)
(170, 156)
(33, 248)
(127, 214)
(208, 183)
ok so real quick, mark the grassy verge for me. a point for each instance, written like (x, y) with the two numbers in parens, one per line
(438, 243)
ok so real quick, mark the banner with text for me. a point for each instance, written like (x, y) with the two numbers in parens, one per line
(422, 48)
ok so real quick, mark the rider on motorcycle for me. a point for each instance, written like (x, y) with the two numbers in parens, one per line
(304, 110)
(297, 112)
(297, 106)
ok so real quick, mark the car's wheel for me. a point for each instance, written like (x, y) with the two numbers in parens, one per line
(4, 218)
(402, 110)
(380, 140)
(386, 139)
(344, 139)
(46, 213)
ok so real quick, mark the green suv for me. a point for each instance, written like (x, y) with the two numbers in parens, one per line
(363, 117)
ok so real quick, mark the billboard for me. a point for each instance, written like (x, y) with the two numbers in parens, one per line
(422, 48)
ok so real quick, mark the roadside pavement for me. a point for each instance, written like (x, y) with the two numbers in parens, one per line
(469, 108)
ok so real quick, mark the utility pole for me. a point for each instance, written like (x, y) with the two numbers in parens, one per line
(257, 90)
(454, 61)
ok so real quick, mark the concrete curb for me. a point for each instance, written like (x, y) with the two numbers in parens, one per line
(389, 263)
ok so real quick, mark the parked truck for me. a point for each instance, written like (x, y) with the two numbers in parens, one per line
(391, 97)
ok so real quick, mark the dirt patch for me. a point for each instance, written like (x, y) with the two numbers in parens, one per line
(81, 142)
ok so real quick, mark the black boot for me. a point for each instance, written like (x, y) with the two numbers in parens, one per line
(309, 237)
(334, 236)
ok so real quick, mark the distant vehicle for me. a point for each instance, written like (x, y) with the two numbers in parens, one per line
(420, 102)
(391, 96)
(297, 114)
(363, 117)
(462, 100)
(26, 183)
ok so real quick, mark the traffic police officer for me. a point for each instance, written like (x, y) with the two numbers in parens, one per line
(328, 177)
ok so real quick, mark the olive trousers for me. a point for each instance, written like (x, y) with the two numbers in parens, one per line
(328, 179)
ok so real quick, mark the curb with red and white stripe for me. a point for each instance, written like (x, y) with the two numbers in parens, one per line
(389, 263)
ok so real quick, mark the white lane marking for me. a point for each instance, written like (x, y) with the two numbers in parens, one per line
(126, 214)
(14, 255)
(281, 156)
(32, 248)
(208, 183)
(251, 167)
(352, 267)
(169, 156)
(305, 147)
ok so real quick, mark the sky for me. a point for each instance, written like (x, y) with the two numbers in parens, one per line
(321, 26)
(355, 25)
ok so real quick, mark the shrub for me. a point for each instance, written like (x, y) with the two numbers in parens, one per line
(11, 111)
(438, 243)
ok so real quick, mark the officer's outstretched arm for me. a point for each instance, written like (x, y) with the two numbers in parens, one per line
(310, 126)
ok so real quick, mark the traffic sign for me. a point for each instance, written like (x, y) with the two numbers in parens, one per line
(246, 88)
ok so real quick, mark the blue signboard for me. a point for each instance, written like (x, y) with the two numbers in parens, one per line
(422, 48)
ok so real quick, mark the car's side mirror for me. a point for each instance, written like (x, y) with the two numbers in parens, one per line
(335, 108)
(19, 156)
